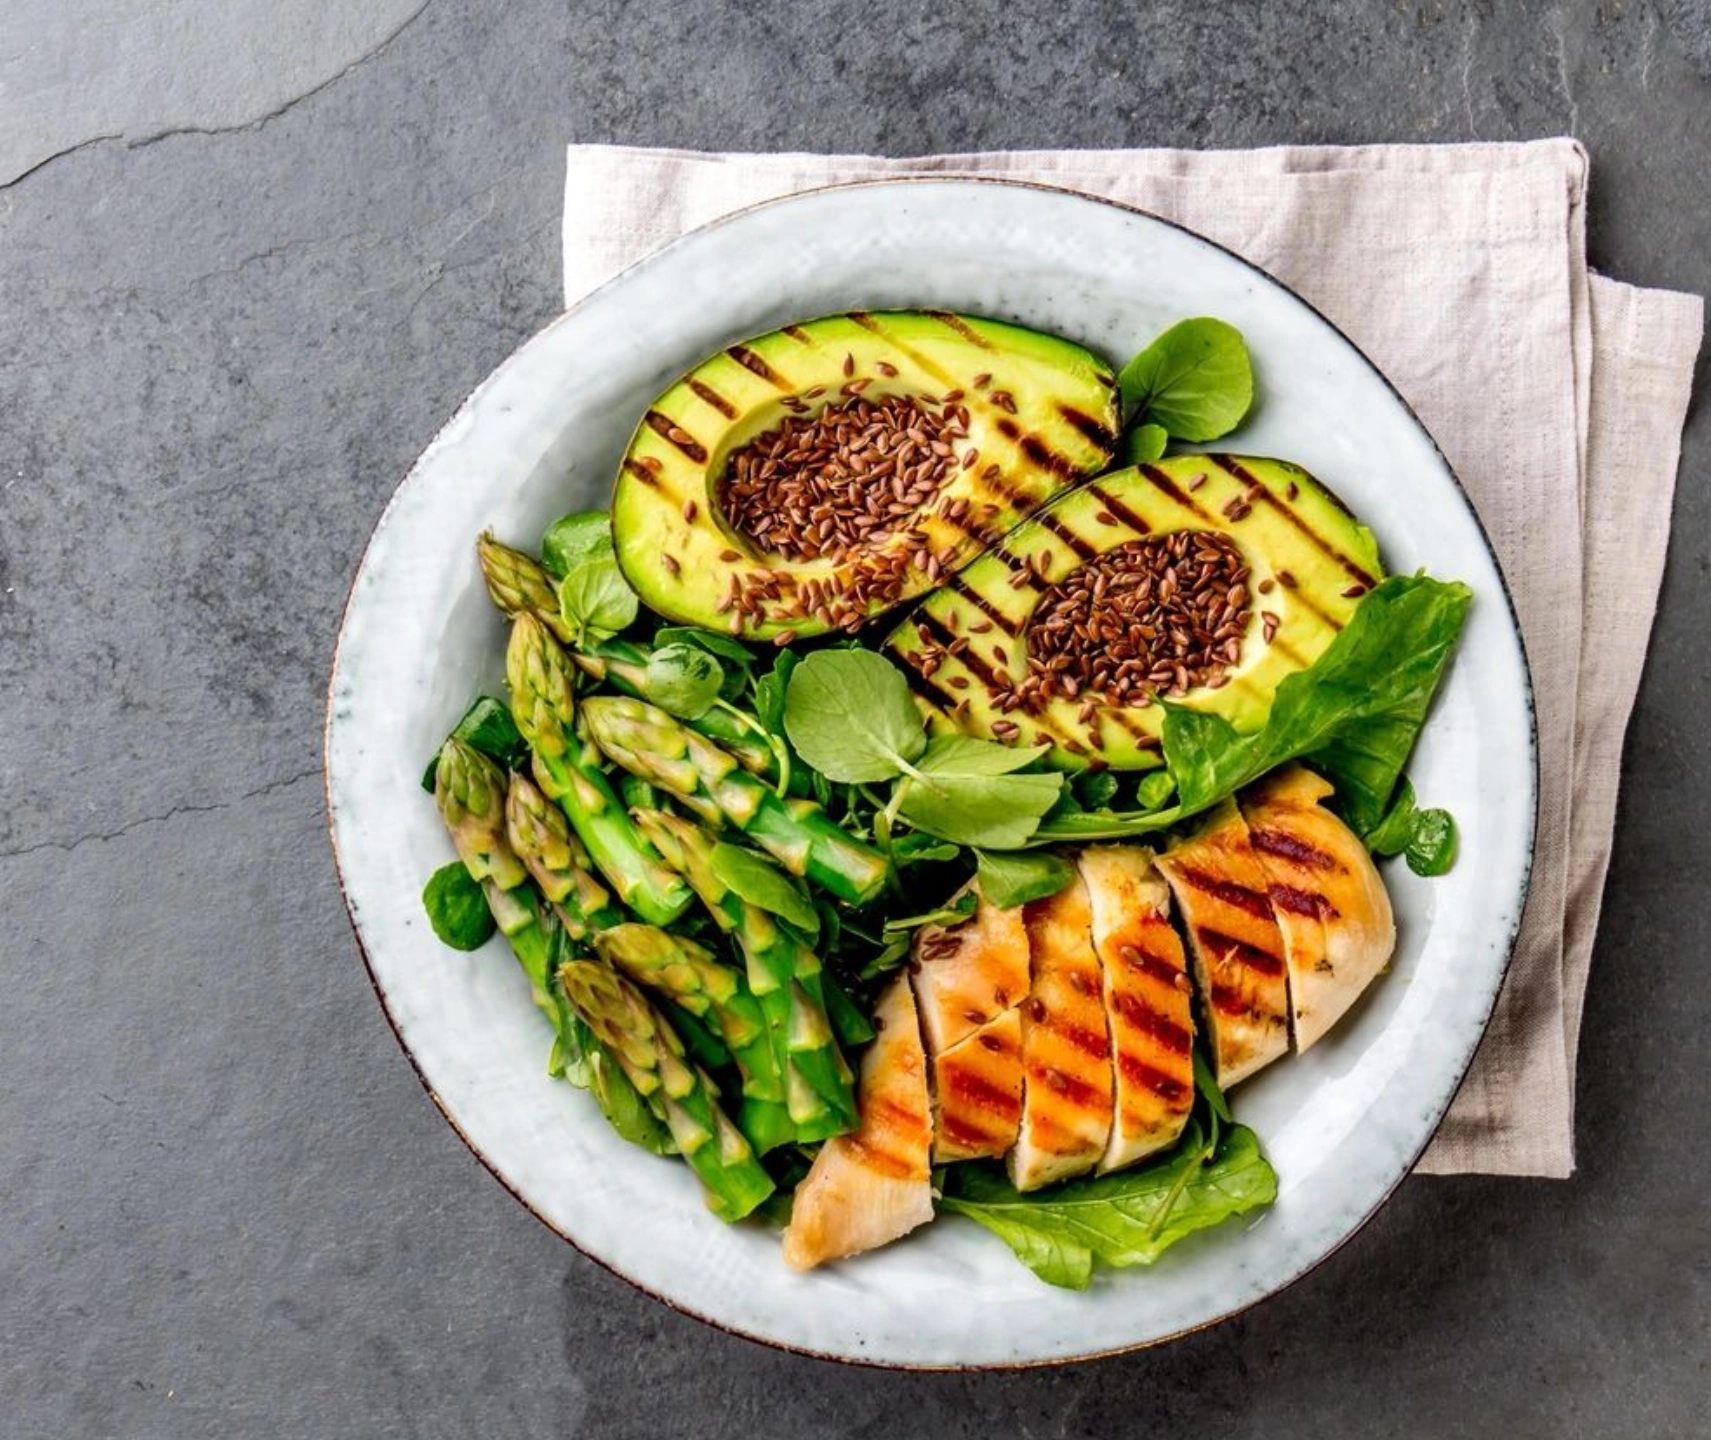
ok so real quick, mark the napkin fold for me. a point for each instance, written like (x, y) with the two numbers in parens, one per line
(1558, 396)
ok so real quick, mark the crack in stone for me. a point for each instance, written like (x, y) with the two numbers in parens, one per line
(210, 130)
(67, 846)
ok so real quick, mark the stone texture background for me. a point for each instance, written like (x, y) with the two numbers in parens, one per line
(250, 258)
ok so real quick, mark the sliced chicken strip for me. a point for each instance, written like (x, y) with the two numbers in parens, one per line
(977, 1090)
(867, 1188)
(1147, 991)
(1066, 1053)
(1224, 895)
(970, 973)
(1331, 906)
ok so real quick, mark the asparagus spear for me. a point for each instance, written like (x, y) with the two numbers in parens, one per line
(644, 1044)
(567, 769)
(712, 991)
(519, 585)
(797, 833)
(784, 974)
(467, 789)
(545, 843)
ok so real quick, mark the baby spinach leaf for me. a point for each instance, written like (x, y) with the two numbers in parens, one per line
(1432, 851)
(850, 715)
(765, 886)
(573, 539)
(1195, 381)
(1130, 1218)
(1144, 444)
(457, 908)
(1354, 713)
(596, 601)
(1094, 789)
(1016, 877)
(486, 726)
(1392, 834)
(966, 791)
(1154, 790)
(683, 680)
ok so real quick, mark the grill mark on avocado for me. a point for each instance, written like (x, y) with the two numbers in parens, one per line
(1225, 948)
(983, 672)
(799, 335)
(1237, 896)
(641, 473)
(1163, 482)
(963, 590)
(675, 436)
(708, 395)
(754, 364)
(1088, 426)
(866, 321)
(1257, 491)
(938, 696)
(1037, 452)
(962, 328)
(1118, 510)
(1083, 550)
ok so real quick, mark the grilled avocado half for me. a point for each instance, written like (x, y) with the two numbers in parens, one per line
(1021, 416)
(1308, 560)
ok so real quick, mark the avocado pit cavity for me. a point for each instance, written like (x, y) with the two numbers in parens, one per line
(833, 481)
(1156, 616)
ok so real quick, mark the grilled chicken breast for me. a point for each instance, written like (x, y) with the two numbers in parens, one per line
(1146, 993)
(1331, 906)
(1066, 1052)
(1238, 955)
(977, 1092)
(970, 973)
(867, 1188)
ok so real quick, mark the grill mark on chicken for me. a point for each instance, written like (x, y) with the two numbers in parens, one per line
(1225, 948)
(1152, 966)
(1076, 1092)
(1148, 1077)
(1156, 1026)
(1303, 902)
(1239, 897)
(1292, 848)
(1227, 1000)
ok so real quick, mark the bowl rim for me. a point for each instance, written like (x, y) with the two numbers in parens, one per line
(689, 237)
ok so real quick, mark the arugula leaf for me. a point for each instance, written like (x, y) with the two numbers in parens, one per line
(914, 848)
(952, 912)
(1130, 1218)
(586, 535)
(709, 640)
(965, 791)
(683, 680)
(457, 908)
(1354, 713)
(851, 715)
(1016, 877)
(1143, 445)
(486, 726)
(765, 886)
(1195, 381)
(596, 601)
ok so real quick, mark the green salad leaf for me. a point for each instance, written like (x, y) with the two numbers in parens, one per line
(850, 1022)
(1154, 790)
(851, 715)
(772, 689)
(596, 600)
(486, 726)
(765, 886)
(1144, 444)
(457, 908)
(1426, 838)
(1011, 878)
(1129, 1218)
(965, 791)
(683, 680)
(573, 539)
(1195, 381)
(1354, 713)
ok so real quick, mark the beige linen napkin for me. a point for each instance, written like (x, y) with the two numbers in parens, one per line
(1558, 396)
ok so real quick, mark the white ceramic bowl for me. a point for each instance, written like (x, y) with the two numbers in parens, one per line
(543, 435)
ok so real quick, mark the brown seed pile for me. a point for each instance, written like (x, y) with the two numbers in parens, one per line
(1158, 616)
(826, 483)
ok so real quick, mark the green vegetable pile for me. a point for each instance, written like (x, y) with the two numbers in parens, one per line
(707, 854)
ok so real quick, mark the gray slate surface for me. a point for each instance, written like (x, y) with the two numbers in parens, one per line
(228, 1207)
